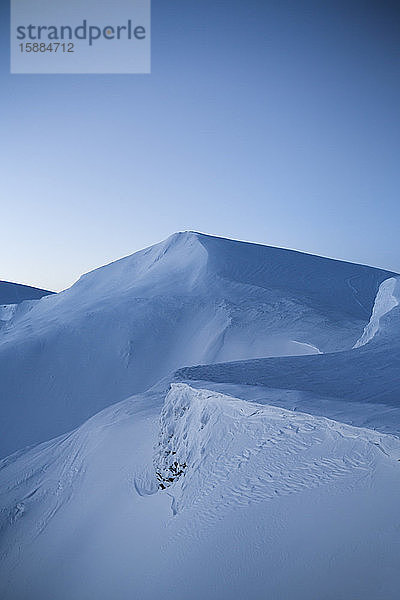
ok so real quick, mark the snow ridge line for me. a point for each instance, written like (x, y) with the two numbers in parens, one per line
(234, 453)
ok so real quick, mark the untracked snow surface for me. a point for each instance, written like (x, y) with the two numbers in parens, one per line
(207, 419)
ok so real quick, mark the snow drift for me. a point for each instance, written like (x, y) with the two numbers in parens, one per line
(386, 299)
(190, 300)
(267, 499)
(259, 465)
(366, 374)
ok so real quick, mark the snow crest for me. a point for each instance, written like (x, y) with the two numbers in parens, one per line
(386, 299)
(236, 453)
(257, 487)
(190, 300)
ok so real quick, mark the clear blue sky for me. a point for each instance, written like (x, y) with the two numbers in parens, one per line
(270, 121)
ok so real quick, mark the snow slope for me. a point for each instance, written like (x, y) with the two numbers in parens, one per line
(14, 293)
(17, 299)
(367, 374)
(263, 463)
(266, 503)
(190, 300)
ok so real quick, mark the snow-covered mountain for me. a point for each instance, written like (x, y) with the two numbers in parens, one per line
(14, 293)
(16, 297)
(193, 299)
(257, 454)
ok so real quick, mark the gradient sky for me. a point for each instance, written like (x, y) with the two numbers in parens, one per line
(273, 121)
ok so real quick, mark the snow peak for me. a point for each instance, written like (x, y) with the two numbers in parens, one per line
(84, 31)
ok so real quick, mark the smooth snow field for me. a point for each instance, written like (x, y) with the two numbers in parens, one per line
(203, 419)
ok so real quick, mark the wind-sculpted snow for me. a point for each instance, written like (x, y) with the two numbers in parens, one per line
(261, 490)
(366, 374)
(190, 300)
(334, 287)
(387, 298)
(235, 452)
(241, 478)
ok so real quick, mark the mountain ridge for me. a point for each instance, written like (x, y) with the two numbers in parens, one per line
(275, 450)
(192, 299)
(14, 293)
